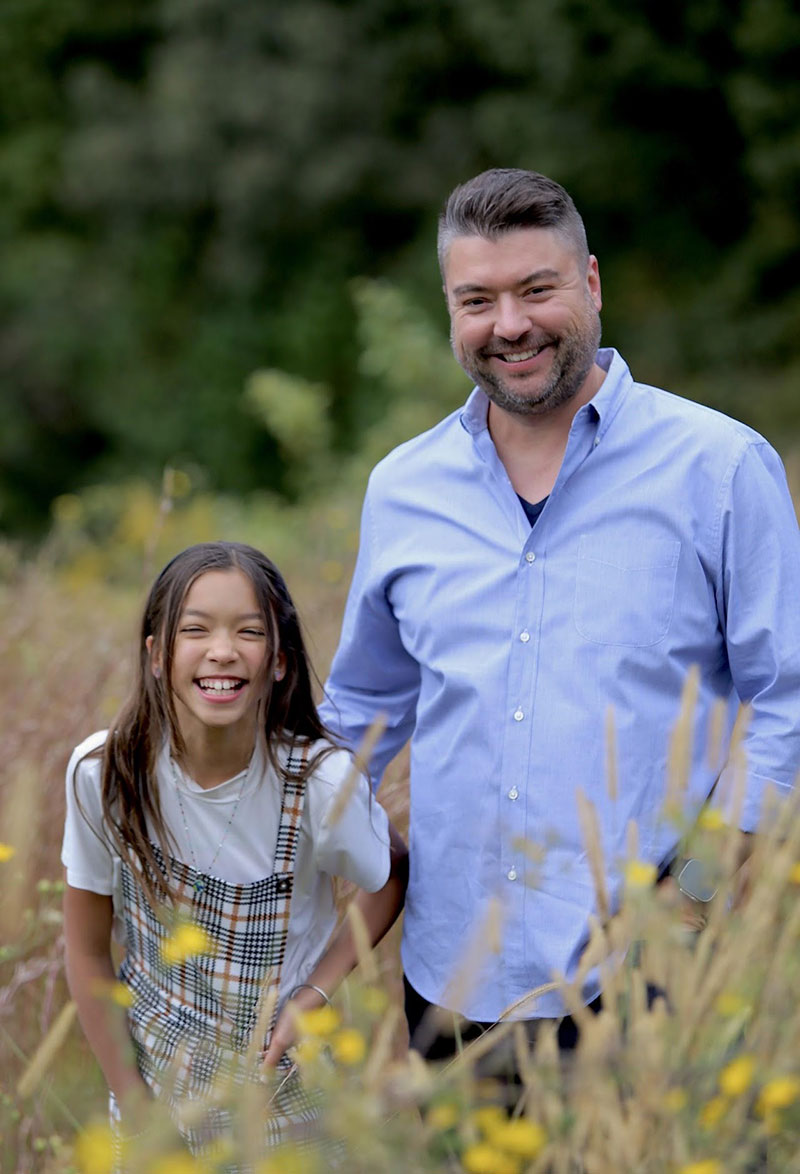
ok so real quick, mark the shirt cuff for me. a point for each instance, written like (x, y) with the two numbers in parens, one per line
(760, 794)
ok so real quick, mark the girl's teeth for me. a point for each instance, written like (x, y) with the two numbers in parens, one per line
(219, 686)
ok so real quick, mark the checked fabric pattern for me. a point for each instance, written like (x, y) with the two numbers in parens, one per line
(192, 1022)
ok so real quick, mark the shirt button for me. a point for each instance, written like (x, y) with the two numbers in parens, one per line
(525, 636)
(512, 874)
(530, 557)
(513, 793)
(518, 715)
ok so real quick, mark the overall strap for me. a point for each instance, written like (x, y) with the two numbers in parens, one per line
(292, 802)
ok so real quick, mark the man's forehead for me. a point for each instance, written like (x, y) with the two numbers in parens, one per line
(518, 254)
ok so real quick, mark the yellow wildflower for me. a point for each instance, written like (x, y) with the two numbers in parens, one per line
(713, 1111)
(176, 1163)
(374, 999)
(116, 992)
(711, 819)
(442, 1116)
(704, 1166)
(520, 1136)
(6, 852)
(307, 1051)
(730, 1003)
(94, 1150)
(794, 873)
(349, 1046)
(487, 1159)
(639, 874)
(488, 1118)
(778, 1093)
(287, 1160)
(184, 942)
(321, 1021)
(736, 1077)
(675, 1100)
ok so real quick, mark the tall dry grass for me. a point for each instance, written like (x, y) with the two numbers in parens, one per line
(703, 1081)
(66, 642)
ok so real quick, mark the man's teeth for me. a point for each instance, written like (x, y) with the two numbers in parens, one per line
(521, 356)
(219, 686)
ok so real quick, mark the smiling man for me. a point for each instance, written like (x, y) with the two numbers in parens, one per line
(567, 545)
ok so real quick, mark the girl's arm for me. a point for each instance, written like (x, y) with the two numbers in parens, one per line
(380, 911)
(91, 979)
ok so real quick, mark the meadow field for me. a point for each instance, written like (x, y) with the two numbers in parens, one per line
(706, 1085)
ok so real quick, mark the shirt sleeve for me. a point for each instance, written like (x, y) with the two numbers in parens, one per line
(85, 851)
(352, 843)
(372, 674)
(758, 593)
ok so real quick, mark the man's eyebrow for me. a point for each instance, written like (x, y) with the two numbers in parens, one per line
(531, 279)
(204, 615)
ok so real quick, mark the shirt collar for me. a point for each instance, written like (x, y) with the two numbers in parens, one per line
(603, 406)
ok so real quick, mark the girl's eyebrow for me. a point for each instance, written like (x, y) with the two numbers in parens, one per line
(248, 615)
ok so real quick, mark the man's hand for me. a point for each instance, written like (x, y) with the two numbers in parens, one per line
(693, 914)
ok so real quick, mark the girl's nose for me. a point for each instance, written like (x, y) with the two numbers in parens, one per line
(222, 648)
(512, 318)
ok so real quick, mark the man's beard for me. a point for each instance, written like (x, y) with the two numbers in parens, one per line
(572, 360)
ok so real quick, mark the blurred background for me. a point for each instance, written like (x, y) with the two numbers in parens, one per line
(192, 190)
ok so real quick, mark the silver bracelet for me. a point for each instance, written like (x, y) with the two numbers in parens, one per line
(310, 987)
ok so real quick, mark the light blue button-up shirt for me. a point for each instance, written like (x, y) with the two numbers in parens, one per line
(669, 540)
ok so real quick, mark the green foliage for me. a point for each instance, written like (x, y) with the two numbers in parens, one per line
(125, 531)
(187, 191)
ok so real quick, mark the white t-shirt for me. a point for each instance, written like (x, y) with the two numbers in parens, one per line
(355, 847)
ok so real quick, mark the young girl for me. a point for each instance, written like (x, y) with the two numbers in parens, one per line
(207, 806)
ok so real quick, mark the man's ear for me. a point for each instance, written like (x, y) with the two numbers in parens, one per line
(155, 657)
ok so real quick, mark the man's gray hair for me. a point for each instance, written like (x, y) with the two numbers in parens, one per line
(504, 199)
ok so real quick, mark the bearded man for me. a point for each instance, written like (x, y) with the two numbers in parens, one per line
(569, 544)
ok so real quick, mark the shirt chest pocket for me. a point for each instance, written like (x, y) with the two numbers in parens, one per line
(625, 592)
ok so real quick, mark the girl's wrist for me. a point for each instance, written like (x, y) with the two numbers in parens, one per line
(311, 988)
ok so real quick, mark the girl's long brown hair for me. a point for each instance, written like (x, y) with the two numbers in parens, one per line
(287, 712)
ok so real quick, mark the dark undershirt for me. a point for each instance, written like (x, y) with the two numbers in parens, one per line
(532, 509)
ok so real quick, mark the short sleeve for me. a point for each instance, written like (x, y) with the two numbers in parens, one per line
(85, 852)
(353, 844)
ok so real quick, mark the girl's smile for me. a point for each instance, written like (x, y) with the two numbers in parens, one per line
(220, 690)
(219, 655)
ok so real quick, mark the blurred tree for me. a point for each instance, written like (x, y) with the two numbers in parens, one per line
(188, 188)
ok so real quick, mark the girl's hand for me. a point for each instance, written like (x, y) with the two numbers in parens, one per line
(283, 1036)
(284, 1033)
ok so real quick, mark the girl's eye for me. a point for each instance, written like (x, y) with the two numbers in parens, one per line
(253, 632)
(191, 629)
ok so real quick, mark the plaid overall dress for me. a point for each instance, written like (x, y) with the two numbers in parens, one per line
(192, 1022)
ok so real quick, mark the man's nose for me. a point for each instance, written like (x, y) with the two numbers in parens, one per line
(512, 318)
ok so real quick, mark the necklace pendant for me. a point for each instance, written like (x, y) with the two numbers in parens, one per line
(199, 884)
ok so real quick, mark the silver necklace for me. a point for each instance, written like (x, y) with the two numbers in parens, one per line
(201, 876)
